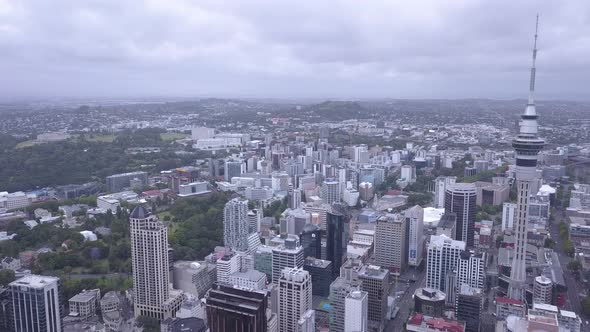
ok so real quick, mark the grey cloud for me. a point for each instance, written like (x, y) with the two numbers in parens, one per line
(269, 48)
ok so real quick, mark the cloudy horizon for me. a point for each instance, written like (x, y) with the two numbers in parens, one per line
(305, 49)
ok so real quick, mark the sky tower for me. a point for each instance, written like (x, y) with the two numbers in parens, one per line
(527, 146)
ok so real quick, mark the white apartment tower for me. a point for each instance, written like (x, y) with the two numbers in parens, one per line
(287, 255)
(542, 290)
(295, 297)
(408, 173)
(443, 256)
(527, 146)
(361, 154)
(149, 258)
(415, 223)
(440, 187)
(356, 308)
(227, 265)
(331, 191)
(391, 245)
(236, 224)
(254, 219)
(508, 216)
(35, 303)
(471, 270)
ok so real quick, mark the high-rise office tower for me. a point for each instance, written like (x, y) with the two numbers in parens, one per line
(307, 322)
(254, 219)
(232, 309)
(232, 168)
(440, 189)
(295, 199)
(339, 289)
(375, 281)
(471, 269)
(442, 257)
(356, 311)
(35, 304)
(469, 307)
(263, 261)
(280, 181)
(361, 154)
(337, 237)
(391, 242)
(295, 297)
(331, 191)
(149, 260)
(527, 146)
(460, 199)
(321, 275)
(341, 175)
(415, 223)
(311, 241)
(236, 224)
(289, 254)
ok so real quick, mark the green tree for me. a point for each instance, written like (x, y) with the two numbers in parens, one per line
(499, 240)
(421, 199)
(574, 265)
(6, 277)
(568, 247)
(549, 243)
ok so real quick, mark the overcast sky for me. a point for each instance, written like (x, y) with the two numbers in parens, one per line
(278, 49)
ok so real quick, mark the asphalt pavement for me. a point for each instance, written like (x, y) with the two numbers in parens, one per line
(406, 301)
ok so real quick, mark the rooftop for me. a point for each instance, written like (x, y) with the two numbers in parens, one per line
(251, 275)
(140, 212)
(86, 295)
(35, 281)
(508, 300)
(373, 272)
(317, 262)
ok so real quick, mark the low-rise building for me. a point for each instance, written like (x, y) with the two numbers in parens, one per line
(83, 305)
(194, 278)
(421, 323)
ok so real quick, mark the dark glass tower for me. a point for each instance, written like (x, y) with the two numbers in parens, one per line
(311, 241)
(236, 310)
(460, 199)
(337, 237)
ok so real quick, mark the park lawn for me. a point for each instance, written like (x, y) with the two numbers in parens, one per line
(25, 144)
(171, 136)
(104, 138)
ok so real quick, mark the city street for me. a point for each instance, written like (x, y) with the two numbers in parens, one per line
(574, 287)
(406, 302)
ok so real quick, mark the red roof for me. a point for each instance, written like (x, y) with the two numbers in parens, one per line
(416, 319)
(508, 300)
(445, 325)
(393, 192)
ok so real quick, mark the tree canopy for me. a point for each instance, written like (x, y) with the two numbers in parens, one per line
(197, 226)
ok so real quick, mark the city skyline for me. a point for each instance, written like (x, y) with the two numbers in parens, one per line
(267, 50)
(275, 215)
